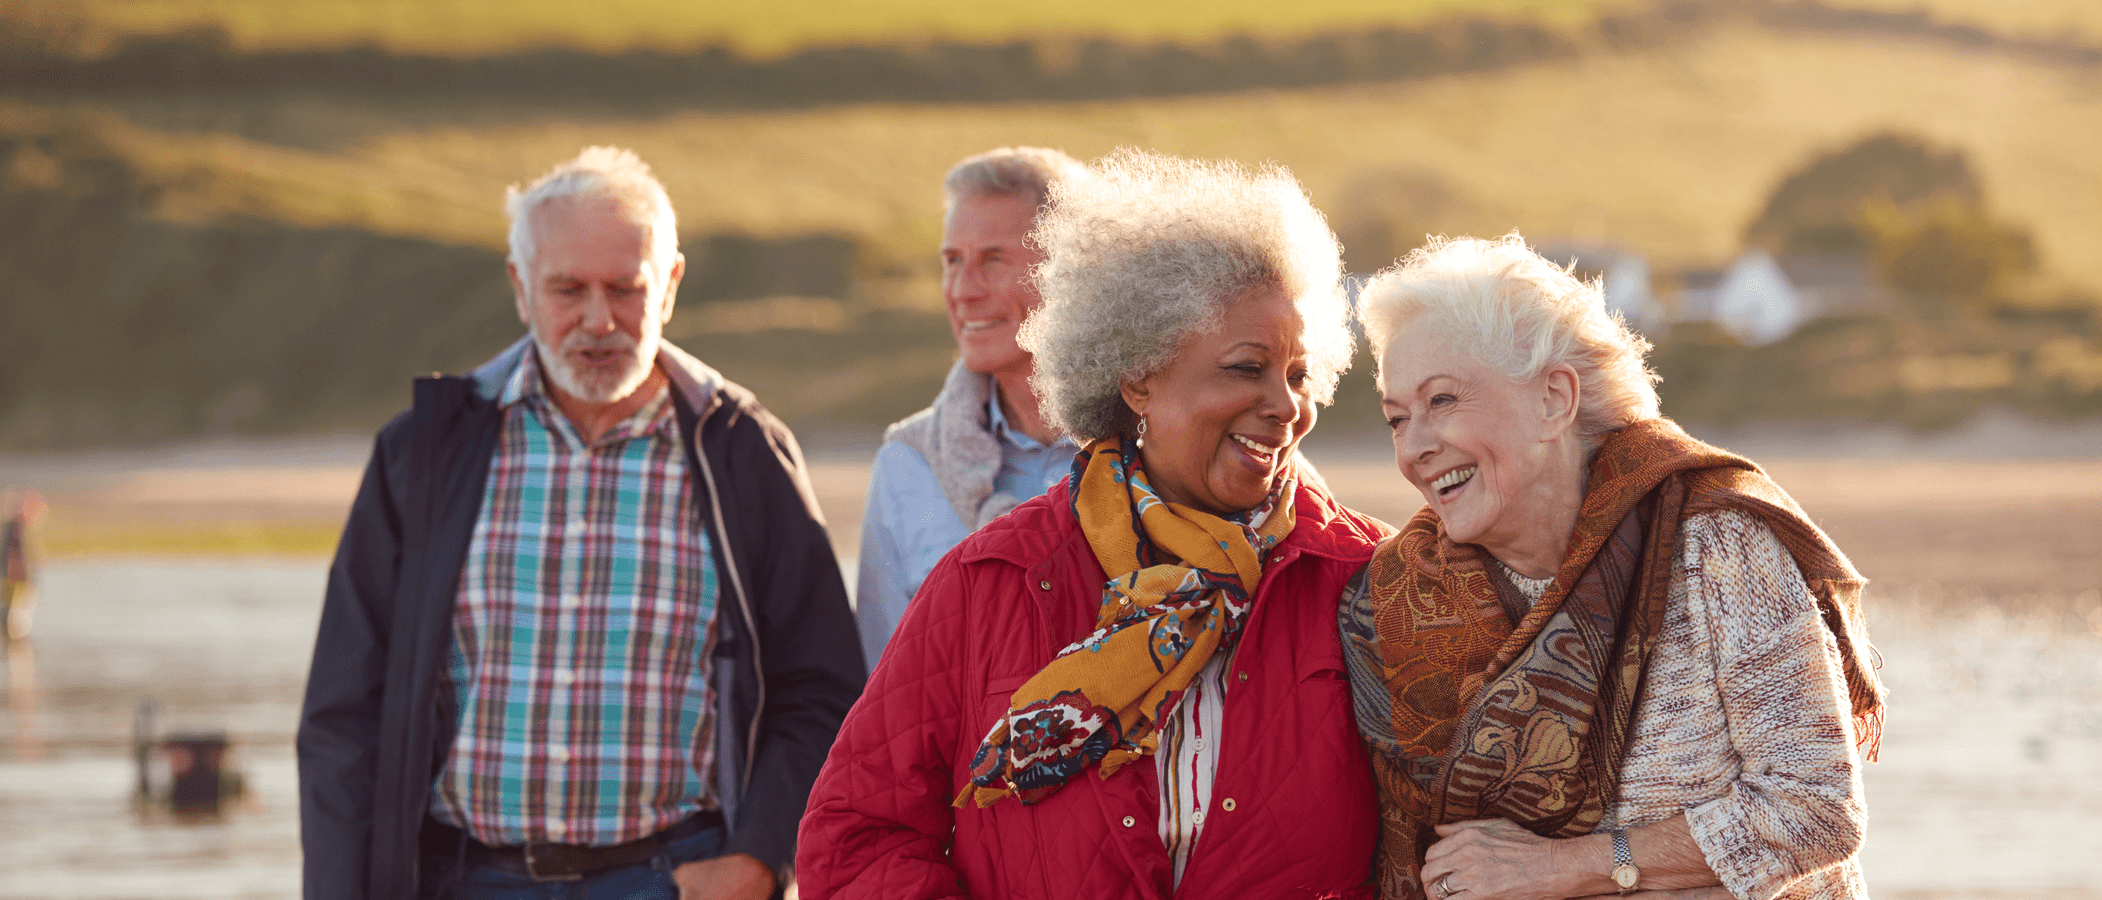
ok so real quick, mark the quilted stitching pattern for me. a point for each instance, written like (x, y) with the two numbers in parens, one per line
(1304, 819)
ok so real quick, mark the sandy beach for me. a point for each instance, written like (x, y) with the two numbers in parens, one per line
(1986, 606)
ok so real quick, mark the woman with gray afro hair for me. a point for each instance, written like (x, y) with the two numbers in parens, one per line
(1075, 655)
(1148, 253)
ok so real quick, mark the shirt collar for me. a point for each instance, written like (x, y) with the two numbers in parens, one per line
(996, 422)
(525, 380)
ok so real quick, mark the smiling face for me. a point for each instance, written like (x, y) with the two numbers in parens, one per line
(1497, 460)
(986, 260)
(1223, 417)
(594, 299)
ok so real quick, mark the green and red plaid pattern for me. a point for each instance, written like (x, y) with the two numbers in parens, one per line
(585, 618)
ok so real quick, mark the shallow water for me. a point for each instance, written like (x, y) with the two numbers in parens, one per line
(1988, 788)
(219, 645)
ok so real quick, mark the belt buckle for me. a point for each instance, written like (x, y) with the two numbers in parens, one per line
(533, 862)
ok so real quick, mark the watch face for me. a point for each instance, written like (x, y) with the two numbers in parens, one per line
(1625, 876)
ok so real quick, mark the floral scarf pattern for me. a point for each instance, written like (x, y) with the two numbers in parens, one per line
(1184, 591)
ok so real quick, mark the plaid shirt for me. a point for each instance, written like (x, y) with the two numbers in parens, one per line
(585, 616)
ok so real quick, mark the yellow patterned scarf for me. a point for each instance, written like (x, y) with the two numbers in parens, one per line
(1180, 590)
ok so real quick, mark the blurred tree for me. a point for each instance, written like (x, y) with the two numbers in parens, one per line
(1916, 209)
(1945, 250)
(1815, 209)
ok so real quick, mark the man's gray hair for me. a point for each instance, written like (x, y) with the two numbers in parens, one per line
(1009, 172)
(1520, 314)
(610, 173)
(1145, 252)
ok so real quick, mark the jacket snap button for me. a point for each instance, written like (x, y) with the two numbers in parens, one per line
(1129, 821)
(1277, 559)
(1046, 585)
(1244, 676)
(1228, 805)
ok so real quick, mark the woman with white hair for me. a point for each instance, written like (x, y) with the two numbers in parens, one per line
(1132, 686)
(1605, 656)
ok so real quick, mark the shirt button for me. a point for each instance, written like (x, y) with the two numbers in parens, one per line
(556, 829)
(1197, 817)
(562, 676)
(1129, 821)
(1200, 743)
(1228, 805)
(1046, 585)
(559, 754)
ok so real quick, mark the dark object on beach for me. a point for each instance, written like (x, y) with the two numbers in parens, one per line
(196, 762)
(188, 773)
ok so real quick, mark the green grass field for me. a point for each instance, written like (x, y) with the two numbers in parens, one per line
(1671, 151)
(766, 27)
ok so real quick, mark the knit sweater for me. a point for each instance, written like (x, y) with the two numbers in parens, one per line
(1743, 721)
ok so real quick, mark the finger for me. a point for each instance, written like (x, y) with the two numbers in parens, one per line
(1431, 874)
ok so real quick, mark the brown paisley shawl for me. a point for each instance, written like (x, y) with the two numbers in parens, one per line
(1471, 715)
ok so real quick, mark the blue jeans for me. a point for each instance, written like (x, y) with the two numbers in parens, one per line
(444, 879)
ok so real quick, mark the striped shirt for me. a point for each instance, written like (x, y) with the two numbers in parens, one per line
(585, 615)
(1188, 760)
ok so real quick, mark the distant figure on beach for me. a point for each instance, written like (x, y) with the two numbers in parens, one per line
(18, 563)
(1605, 657)
(984, 446)
(584, 624)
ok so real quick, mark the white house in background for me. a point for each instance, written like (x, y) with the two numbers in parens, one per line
(1756, 302)
(1623, 274)
(1761, 299)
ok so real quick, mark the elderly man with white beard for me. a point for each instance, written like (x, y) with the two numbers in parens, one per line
(584, 634)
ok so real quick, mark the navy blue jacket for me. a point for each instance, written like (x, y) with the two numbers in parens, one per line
(376, 727)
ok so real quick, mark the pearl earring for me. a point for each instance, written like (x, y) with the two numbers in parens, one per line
(1142, 433)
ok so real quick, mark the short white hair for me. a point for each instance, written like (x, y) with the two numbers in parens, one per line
(1145, 252)
(1009, 172)
(609, 173)
(1520, 314)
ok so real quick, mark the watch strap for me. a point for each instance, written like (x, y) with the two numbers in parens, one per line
(1625, 875)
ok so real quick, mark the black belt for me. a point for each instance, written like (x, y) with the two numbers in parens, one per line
(560, 862)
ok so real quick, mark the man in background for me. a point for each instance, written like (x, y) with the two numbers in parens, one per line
(983, 447)
(584, 634)
(18, 562)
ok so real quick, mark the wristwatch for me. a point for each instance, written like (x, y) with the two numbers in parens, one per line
(1624, 872)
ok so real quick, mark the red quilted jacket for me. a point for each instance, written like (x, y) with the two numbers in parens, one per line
(1293, 806)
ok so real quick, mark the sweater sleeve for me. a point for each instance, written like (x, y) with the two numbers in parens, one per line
(879, 821)
(1797, 806)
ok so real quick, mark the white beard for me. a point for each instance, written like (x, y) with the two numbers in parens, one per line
(599, 386)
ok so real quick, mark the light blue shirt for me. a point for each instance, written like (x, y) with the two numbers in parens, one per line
(909, 524)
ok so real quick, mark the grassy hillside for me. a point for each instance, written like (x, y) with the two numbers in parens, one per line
(274, 259)
(472, 27)
(1671, 151)
(761, 27)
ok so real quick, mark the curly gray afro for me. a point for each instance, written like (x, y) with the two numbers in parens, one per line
(1145, 252)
